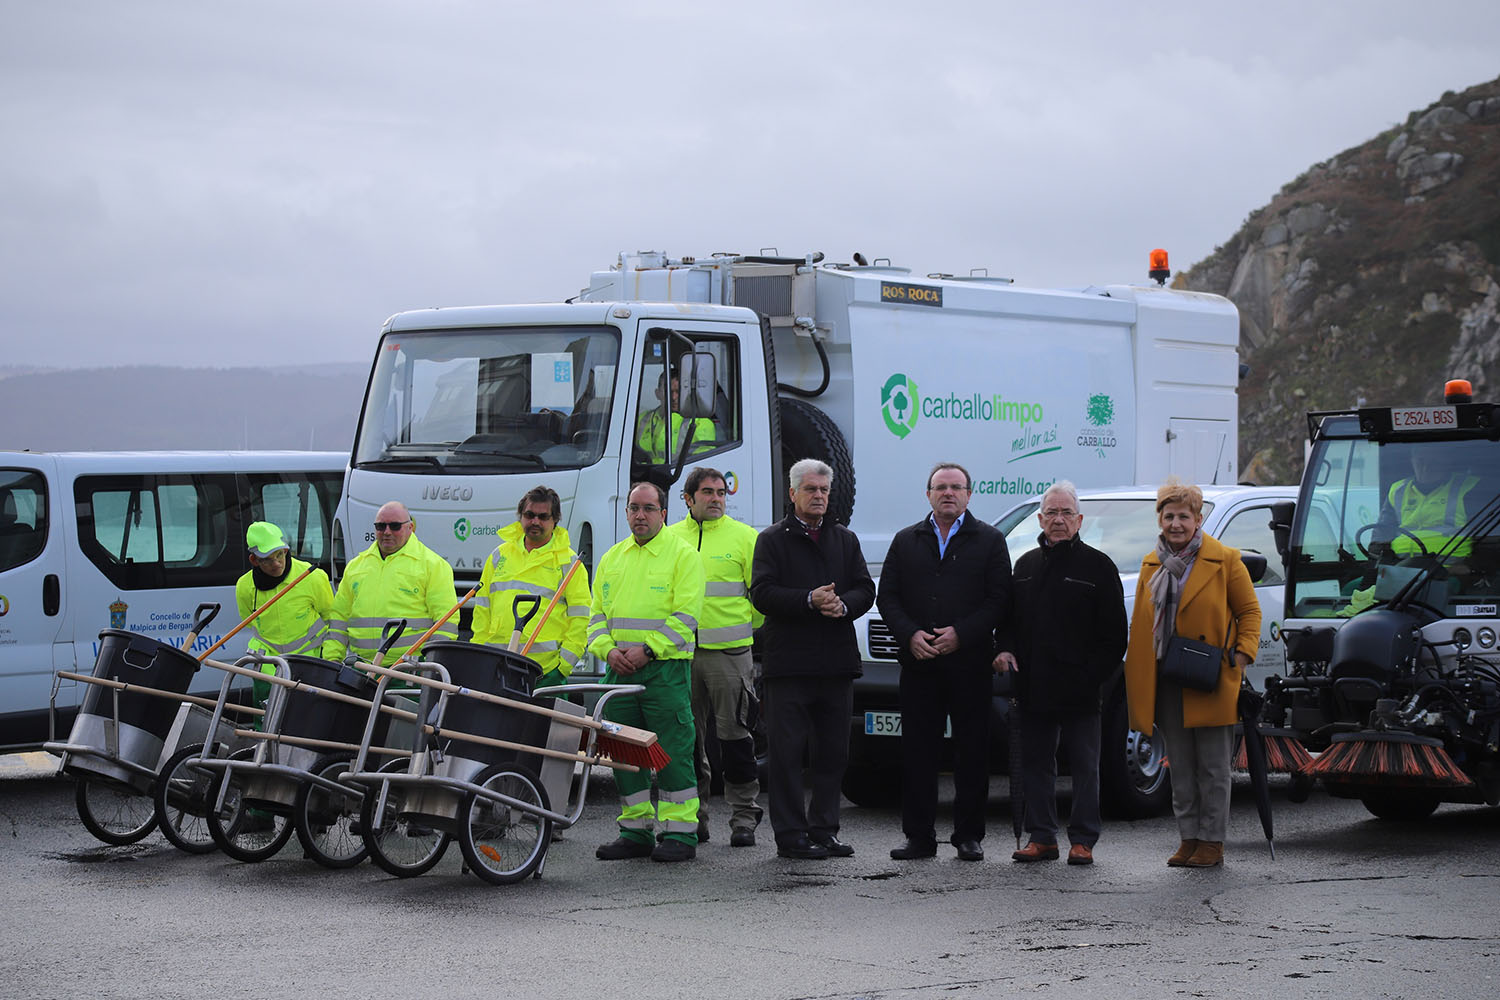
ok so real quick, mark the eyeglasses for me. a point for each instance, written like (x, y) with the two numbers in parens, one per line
(532, 515)
(948, 488)
(390, 525)
(636, 508)
(1058, 514)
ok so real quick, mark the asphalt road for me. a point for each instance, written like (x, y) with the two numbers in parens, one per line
(1353, 907)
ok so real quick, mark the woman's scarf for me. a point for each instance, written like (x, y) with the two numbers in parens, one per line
(1166, 586)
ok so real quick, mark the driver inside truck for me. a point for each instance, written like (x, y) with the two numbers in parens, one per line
(1432, 505)
(650, 434)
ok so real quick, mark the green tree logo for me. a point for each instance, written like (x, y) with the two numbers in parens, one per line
(899, 404)
(461, 529)
(1101, 409)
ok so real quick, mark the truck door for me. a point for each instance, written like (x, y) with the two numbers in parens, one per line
(1249, 530)
(698, 370)
(1198, 451)
(31, 596)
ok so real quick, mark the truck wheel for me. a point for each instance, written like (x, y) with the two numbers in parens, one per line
(808, 432)
(1400, 806)
(872, 787)
(1134, 782)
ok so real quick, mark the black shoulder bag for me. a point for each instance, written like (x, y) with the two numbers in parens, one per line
(1192, 663)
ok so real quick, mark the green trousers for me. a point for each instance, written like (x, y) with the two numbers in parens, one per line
(665, 708)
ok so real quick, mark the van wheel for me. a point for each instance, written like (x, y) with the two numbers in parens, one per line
(872, 787)
(808, 432)
(1134, 781)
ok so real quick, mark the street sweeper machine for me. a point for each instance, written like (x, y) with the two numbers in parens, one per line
(1393, 606)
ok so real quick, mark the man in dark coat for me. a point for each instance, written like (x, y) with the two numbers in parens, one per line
(810, 581)
(944, 589)
(1066, 634)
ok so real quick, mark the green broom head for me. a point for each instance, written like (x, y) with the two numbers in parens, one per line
(1388, 758)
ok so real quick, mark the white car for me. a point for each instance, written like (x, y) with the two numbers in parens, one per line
(1122, 524)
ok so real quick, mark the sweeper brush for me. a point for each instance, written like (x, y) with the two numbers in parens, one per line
(1284, 752)
(1388, 758)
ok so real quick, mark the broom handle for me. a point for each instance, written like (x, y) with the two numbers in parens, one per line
(556, 596)
(443, 620)
(255, 614)
(158, 692)
(494, 699)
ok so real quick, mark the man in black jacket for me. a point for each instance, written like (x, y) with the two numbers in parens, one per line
(1067, 633)
(810, 581)
(944, 589)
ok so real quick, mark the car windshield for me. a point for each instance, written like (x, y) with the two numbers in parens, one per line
(490, 399)
(1125, 530)
(1374, 517)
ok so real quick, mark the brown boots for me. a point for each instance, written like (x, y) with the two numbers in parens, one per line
(1198, 854)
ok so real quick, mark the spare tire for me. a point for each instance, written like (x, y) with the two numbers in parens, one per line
(808, 432)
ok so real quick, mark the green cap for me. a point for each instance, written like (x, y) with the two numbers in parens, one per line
(264, 539)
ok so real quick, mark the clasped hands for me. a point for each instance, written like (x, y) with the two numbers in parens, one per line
(825, 601)
(938, 642)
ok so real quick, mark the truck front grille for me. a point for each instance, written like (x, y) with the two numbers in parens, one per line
(882, 643)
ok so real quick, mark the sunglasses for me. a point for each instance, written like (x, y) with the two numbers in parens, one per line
(389, 525)
(531, 515)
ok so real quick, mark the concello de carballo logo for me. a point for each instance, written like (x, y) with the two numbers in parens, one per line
(899, 404)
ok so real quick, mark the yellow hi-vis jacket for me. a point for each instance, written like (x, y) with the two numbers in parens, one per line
(414, 583)
(1434, 518)
(647, 595)
(511, 571)
(653, 441)
(297, 622)
(727, 548)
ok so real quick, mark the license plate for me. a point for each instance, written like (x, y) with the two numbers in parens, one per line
(1423, 418)
(889, 724)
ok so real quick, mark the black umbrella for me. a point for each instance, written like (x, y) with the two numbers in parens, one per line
(1004, 687)
(1255, 760)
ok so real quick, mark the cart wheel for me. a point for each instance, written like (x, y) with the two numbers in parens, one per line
(247, 835)
(399, 847)
(182, 802)
(115, 813)
(504, 843)
(325, 820)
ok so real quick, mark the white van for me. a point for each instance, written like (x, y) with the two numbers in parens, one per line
(136, 541)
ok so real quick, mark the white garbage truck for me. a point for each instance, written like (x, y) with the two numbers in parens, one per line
(756, 361)
(873, 369)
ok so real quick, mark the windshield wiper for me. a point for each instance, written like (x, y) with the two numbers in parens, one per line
(522, 455)
(401, 460)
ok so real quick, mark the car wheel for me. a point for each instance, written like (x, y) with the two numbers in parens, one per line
(1134, 781)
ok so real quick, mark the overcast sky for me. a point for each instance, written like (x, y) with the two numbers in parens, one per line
(218, 183)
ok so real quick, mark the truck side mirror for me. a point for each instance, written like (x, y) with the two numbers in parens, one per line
(1255, 563)
(1282, 513)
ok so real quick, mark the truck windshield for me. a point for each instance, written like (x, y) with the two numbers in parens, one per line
(485, 400)
(1372, 516)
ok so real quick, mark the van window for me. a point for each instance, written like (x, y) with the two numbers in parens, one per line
(148, 532)
(23, 516)
(704, 392)
(301, 506)
(1250, 531)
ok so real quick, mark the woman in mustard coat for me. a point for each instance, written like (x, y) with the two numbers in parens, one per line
(1196, 586)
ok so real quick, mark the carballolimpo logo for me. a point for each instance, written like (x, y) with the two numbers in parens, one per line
(900, 404)
(461, 529)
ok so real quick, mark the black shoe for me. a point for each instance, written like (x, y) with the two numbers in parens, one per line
(673, 850)
(911, 850)
(703, 831)
(836, 847)
(621, 848)
(802, 847)
(969, 850)
(742, 836)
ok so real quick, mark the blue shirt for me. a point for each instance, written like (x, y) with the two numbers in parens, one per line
(943, 542)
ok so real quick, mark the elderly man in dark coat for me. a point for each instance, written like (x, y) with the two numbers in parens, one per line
(1066, 635)
(810, 581)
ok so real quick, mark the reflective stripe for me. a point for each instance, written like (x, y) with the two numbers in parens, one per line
(688, 620)
(419, 624)
(725, 588)
(680, 825)
(545, 647)
(684, 795)
(729, 633)
(525, 588)
(596, 621)
(479, 602)
(293, 645)
(578, 611)
(636, 798)
(678, 642)
(567, 657)
(640, 624)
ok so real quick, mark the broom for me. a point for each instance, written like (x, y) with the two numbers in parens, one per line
(1285, 754)
(248, 618)
(1388, 758)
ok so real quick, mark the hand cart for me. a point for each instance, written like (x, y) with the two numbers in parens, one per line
(133, 731)
(486, 764)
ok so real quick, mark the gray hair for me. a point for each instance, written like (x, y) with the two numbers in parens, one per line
(809, 467)
(1064, 487)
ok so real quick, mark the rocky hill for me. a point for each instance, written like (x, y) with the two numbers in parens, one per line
(1374, 276)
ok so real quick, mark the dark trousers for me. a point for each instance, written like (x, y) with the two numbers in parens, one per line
(1040, 733)
(930, 695)
(807, 717)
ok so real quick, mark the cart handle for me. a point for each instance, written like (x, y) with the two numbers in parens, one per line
(110, 682)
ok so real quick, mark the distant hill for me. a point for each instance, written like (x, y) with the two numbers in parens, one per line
(110, 409)
(1374, 276)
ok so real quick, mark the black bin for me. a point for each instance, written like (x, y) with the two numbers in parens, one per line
(493, 671)
(139, 659)
(315, 717)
